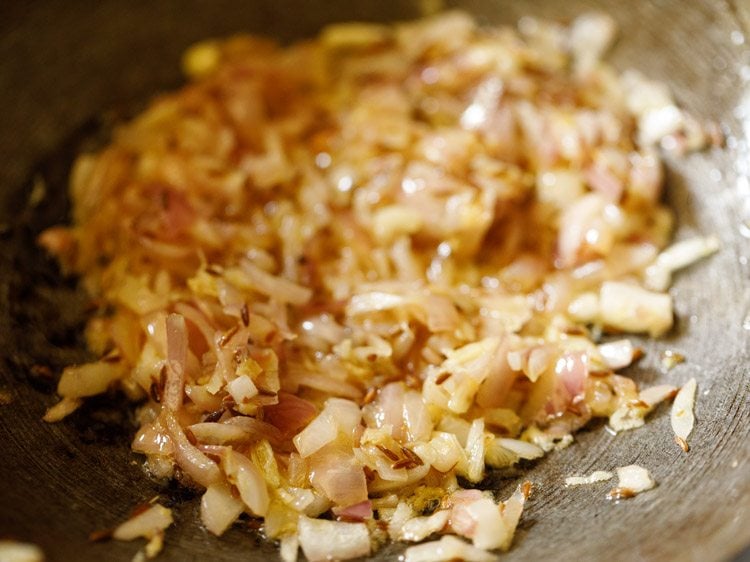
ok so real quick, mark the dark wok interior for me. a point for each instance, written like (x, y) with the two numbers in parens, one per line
(68, 70)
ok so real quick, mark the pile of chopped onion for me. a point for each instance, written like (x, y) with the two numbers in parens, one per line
(345, 278)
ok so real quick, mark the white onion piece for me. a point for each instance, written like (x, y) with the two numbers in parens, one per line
(475, 449)
(443, 451)
(419, 528)
(374, 301)
(498, 456)
(634, 479)
(152, 439)
(195, 464)
(446, 549)
(489, 530)
(147, 524)
(634, 309)
(398, 519)
(345, 414)
(177, 342)
(631, 414)
(512, 509)
(340, 477)
(242, 389)
(461, 520)
(212, 433)
(256, 429)
(575, 223)
(248, 479)
(654, 395)
(468, 367)
(591, 35)
(357, 512)
(617, 354)
(658, 275)
(417, 419)
(319, 432)
(219, 508)
(89, 379)
(289, 548)
(252, 277)
(387, 409)
(682, 417)
(596, 476)
(585, 308)
(658, 123)
(523, 449)
(12, 551)
(298, 499)
(338, 415)
(332, 540)
(63, 408)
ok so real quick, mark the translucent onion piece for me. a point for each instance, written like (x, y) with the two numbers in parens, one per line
(146, 524)
(332, 540)
(682, 416)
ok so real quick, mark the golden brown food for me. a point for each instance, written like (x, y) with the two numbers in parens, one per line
(343, 275)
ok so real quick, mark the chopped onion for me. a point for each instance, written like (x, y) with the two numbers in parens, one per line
(633, 309)
(248, 479)
(679, 255)
(468, 367)
(195, 464)
(219, 433)
(632, 479)
(512, 509)
(682, 417)
(252, 277)
(417, 419)
(489, 530)
(419, 528)
(631, 414)
(319, 432)
(443, 451)
(596, 476)
(146, 524)
(374, 301)
(338, 415)
(523, 449)
(339, 476)
(591, 35)
(398, 518)
(475, 449)
(242, 389)
(446, 549)
(289, 548)
(177, 342)
(219, 508)
(332, 540)
(12, 551)
(256, 430)
(357, 308)
(617, 354)
(63, 408)
(89, 379)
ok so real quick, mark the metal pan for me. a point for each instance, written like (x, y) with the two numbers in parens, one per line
(68, 68)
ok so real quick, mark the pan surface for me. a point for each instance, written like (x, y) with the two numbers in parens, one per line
(69, 69)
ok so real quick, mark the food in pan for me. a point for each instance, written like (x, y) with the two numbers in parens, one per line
(344, 278)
